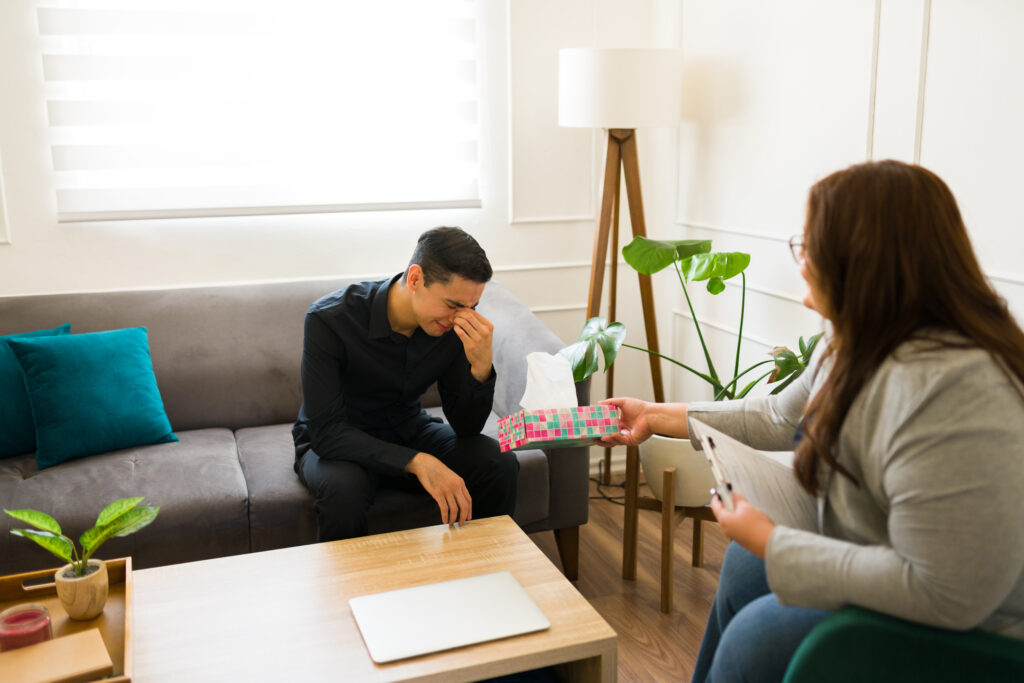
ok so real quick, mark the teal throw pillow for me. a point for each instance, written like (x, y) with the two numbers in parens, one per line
(91, 393)
(17, 431)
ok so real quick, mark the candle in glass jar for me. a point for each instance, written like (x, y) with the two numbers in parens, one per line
(23, 625)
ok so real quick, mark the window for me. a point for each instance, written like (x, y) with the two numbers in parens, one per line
(187, 108)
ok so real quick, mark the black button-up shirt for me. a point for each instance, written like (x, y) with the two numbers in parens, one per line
(362, 382)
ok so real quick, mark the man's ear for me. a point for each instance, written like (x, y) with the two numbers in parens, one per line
(414, 276)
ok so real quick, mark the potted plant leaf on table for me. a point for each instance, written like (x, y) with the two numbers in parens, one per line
(692, 261)
(82, 583)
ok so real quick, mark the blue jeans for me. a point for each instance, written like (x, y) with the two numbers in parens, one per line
(750, 637)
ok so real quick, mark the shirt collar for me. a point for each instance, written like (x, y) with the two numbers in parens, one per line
(380, 326)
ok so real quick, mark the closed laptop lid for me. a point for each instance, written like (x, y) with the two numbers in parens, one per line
(440, 616)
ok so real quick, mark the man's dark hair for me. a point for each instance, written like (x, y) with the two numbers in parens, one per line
(446, 251)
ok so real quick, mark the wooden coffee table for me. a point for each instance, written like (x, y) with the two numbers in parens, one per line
(284, 615)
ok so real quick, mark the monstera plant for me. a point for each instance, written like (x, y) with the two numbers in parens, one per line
(693, 261)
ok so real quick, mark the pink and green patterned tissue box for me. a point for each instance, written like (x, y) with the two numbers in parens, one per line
(557, 427)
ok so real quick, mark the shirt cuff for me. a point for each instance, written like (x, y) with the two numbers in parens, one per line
(486, 385)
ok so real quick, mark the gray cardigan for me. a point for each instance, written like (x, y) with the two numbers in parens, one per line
(935, 531)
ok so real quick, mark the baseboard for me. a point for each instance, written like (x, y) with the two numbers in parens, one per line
(597, 460)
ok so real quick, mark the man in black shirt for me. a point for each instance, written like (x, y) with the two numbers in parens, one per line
(370, 351)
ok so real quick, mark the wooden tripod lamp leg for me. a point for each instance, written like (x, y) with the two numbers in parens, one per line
(621, 152)
(613, 160)
(607, 222)
(613, 287)
(631, 167)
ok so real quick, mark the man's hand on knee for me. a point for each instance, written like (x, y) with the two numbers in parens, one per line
(444, 486)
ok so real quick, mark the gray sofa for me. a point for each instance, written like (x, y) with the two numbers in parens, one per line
(226, 360)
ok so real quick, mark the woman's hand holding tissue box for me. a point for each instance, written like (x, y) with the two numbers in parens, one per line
(550, 417)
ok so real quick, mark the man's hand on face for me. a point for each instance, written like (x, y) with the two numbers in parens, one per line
(444, 486)
(476, 333)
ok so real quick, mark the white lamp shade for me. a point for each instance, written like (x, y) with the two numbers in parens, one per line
(619, 88)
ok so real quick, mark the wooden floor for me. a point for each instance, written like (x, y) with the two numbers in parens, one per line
(652, 646)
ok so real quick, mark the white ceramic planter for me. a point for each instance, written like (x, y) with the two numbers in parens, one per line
(82, 597)
(693, 473)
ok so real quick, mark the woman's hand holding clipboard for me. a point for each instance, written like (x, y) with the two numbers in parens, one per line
(723, 487)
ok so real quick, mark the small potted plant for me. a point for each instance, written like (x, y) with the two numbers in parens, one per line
(693, 261)
(82, 583)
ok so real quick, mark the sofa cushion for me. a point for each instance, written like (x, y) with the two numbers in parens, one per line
(532, 494)
(197, 482)
(91, 393)
(280, 507)
(17, 430)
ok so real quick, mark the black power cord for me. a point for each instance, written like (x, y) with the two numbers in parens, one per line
(617, 500)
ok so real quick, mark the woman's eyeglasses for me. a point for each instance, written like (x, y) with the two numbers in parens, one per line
(796, 247)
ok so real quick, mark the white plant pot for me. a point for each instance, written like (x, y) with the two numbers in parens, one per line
(693, 473)
(82, 597)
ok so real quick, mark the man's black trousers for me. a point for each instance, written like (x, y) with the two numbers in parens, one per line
(344, 491)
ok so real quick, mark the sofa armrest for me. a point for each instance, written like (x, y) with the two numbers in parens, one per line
(517, 333)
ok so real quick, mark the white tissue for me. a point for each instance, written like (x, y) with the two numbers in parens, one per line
(549, 382)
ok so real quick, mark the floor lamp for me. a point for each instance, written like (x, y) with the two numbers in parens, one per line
(620, 90)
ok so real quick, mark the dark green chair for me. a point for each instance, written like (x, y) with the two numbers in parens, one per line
(860, 645)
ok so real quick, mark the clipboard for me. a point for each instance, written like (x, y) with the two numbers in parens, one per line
(765, 478)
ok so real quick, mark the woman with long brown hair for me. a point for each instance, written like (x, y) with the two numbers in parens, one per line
(908, 427)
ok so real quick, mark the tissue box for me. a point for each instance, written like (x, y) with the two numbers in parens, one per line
(557, 427)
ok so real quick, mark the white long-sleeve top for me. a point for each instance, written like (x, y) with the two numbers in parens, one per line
(935, 531)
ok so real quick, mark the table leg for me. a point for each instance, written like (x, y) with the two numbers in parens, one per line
(668, 527)
(630, 512)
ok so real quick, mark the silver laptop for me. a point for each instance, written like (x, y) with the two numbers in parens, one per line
(441, 616)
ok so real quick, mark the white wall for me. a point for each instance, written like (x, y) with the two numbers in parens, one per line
(778, 95)
(43, 256)
(538, 185)
(781, 94)
(545, 262)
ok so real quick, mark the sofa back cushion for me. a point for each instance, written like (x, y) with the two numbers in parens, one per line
(224, 356)
(91, 393)
(17, 430)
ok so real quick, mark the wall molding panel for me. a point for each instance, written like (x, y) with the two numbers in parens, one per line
(542, 266)
(545, 182)
(897, 86)
(727, 329)
(538, 310)
(5, 232)
(1007, 279)
(873, 89)
(926, 22)
(774, 293)
(734, 231)
(516, 220)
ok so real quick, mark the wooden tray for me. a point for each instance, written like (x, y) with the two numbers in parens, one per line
(114, 623)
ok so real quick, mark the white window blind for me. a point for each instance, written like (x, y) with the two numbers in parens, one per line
(188, 108)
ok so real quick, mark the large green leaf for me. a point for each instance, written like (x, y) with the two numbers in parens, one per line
(130, 522)
(116, 509)
(583, 354)
(786, 363)
(61, 546)
(722, 264)
(136, 519)
(807, 350)
(39, 520)
(582, 357)
(648, 256)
